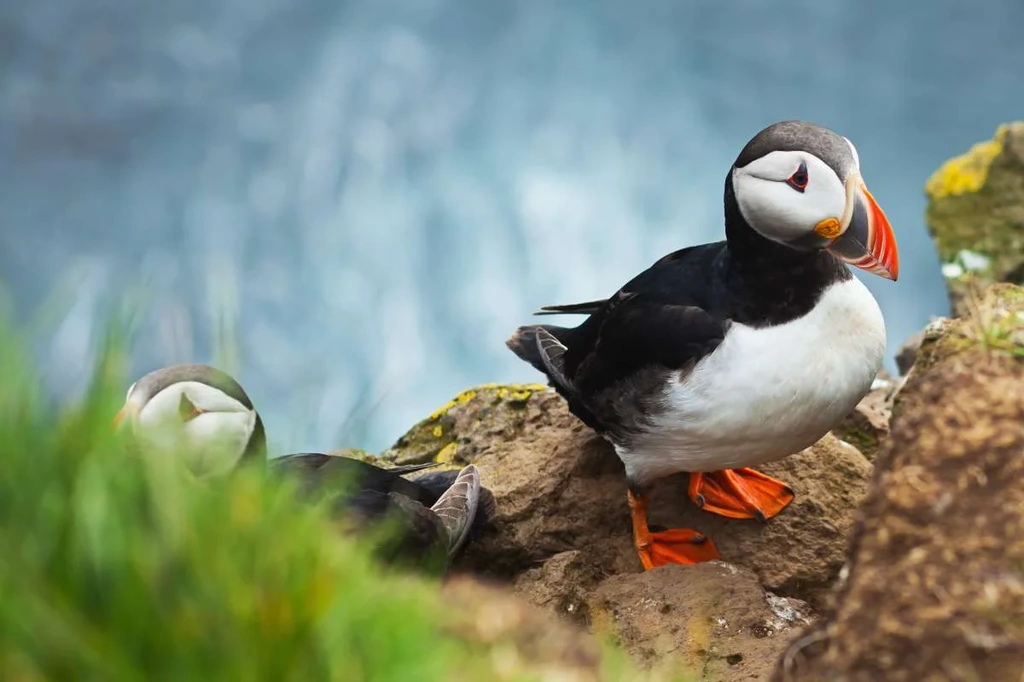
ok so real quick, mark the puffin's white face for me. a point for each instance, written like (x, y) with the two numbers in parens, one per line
(786, 195)
(204, 427)
(795, 198)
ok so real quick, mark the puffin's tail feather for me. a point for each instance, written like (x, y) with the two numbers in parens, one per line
(586, 308)
(457, 507)
(552, 355)
(523, 343)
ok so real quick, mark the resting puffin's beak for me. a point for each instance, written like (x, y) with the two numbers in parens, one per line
(868, 241)
(127, 412)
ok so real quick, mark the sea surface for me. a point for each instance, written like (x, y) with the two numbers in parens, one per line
(365, 197)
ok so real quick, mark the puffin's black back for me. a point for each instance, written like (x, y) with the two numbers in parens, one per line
(416, 538)
(320, 472)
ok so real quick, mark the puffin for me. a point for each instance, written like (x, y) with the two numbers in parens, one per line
(724, 356)
(203, 416)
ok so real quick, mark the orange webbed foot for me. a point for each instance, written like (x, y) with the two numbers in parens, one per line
(739, 493)
(677, 546)
(673, 546)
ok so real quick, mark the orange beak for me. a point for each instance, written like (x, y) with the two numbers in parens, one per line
(868, 241)
(126, 412)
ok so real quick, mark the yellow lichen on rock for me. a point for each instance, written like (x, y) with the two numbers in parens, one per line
(516, 393)
(433, 438)
(447, 453)
(975, 212)
(460, 399)
(967, 172)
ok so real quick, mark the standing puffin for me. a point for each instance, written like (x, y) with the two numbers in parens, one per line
(727, 355)
(203, 416)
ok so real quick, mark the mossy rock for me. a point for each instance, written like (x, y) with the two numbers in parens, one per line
(995, 323)
(436, 437)
(975, 213)
(865, 440)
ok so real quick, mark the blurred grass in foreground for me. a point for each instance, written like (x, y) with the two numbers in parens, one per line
(115, 567)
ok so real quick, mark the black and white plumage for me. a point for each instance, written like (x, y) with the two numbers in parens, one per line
(727, 355)
(203, 417)
(436, 509)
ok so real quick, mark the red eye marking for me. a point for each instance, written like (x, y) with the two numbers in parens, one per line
(798, 180)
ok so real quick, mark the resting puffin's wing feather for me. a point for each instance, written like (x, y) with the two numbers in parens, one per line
(322, 473)
(410, 468)
(457, 507)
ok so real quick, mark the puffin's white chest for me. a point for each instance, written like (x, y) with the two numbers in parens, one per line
(766, 393)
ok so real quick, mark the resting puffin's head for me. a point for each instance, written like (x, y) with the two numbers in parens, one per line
(196, 413)
(799, 184)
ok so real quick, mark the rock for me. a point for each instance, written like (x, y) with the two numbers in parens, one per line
(868, 425)
(524, 641)
(561, 488)
(561, 584)
(934, 588)
(713, 619)
(907, 353)
(976, 214)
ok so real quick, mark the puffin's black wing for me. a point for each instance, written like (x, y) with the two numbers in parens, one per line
(326, 473)
(638, 332)
(664, 319)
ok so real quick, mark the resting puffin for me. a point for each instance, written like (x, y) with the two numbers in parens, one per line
(203, 415)
(723, 356)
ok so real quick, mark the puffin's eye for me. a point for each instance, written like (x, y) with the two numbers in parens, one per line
(187, 410)
(798, 180)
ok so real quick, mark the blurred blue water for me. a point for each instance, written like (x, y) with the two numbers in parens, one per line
(381, 190)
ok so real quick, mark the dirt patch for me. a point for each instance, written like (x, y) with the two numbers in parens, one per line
(713, 619)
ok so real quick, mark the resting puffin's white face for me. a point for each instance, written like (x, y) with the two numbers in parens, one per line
(794, 197)
(201, 425)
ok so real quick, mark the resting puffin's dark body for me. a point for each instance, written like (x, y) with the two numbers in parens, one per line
(317, 470)
(375, 494)
(433, 516)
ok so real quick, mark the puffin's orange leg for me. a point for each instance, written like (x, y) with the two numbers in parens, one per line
(673, 546)
(739, 493)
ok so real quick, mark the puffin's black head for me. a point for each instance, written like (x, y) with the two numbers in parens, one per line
(195, 412)
(799, 184)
